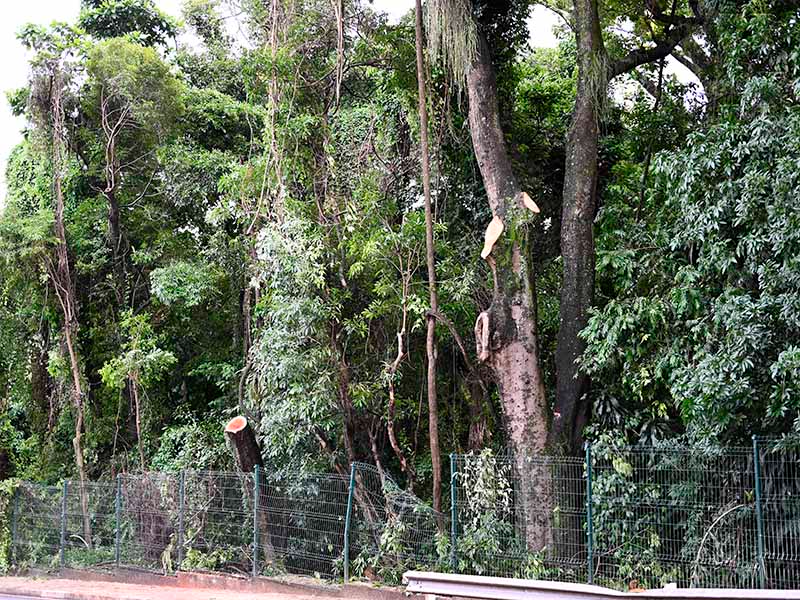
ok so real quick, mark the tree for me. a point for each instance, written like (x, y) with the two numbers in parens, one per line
(49, 87)
(506, 333)
(596, 69)
(430, 343)
(699, 336)
(115, 18)
(141, 364)
(134, 101)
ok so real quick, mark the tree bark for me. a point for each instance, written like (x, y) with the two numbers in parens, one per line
(243, 443)
(430, 343)
(577, 236)
(508, 327)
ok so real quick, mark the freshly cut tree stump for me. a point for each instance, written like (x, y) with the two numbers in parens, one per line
(242, 440)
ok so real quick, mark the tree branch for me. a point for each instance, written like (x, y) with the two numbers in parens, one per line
(662, 49)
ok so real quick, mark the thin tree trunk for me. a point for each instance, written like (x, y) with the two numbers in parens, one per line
(506, 331)
(138, 412)
(430, 342)
(61, 276)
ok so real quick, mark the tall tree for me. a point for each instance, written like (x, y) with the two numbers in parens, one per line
(596, 69)
(48, 106)
(430, 343)
(506, 332)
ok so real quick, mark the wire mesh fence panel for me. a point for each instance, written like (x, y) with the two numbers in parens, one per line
(149, 515)
(393, 531)
(304, 520)
(36, 525)
(780, 505)
(89, 524)
(700, 518)
(671, 516)
(217, 522)
(520, 517)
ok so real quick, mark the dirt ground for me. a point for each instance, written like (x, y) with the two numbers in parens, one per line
(70, 589)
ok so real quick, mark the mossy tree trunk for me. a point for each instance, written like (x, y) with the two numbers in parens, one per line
(508, 326)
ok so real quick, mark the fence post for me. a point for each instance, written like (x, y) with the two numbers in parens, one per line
(348, 516)
(759, 513)
(589, 521)
(118, 519)
(63, 537)
(14, 517)
(453, 514)
(256, 494)
(181, 513)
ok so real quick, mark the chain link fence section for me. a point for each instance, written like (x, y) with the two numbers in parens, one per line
(213, 531)
(393, 531)
(89, 524)
(640, 516)
(502, 531)
(148, 521)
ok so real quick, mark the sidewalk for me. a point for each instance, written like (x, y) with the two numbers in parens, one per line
(71, 589)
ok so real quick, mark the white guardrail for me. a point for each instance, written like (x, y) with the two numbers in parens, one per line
(501, 588)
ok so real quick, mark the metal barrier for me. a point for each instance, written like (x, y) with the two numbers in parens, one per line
(503, 588)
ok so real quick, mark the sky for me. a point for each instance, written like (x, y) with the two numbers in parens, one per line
(14, 68)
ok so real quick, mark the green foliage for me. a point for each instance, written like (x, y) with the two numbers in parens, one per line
(8, 489)
(701, 326)
(184, 283)
(116, 18)
(134, 81)
(192, 445)
(141, 357)
(485, 517)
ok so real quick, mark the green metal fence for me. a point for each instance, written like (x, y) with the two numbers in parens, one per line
(709, 518)
(520, 518)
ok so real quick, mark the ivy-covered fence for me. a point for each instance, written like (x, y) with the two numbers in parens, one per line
(616, 516)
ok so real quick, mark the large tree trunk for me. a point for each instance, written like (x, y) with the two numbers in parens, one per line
(577, 239)
(506, 332)
(430, 346)
(595, 71)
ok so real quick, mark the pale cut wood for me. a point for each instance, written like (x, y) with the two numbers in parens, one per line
(493, 232)
(529, 203)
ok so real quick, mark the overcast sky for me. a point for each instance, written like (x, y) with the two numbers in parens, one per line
(14, 70)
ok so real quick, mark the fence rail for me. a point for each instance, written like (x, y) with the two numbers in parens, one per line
(651, 515)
